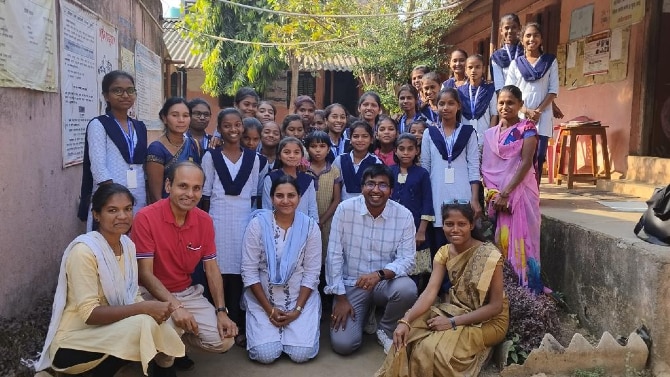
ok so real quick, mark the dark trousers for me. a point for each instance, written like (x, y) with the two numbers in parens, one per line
(66, 357)
(233, 288)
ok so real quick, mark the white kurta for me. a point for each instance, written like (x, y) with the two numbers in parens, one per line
(466, 167)
(304, 331)
(484, 122)
(534, 93)
(230, 213)
(338, 162)
(307, 204)
(108, 163)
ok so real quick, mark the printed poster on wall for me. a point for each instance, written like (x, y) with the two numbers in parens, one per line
(28, 51)
(597, 54)
(148, 81)
(626, 12)
(79, 84)
(128, 65)
(107, 56)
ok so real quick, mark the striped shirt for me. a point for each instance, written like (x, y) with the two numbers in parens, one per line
(360, 244)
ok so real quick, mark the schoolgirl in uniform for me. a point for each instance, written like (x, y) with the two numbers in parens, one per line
(385, 136)
(336, 124)
(369, 108)
(431, 87)
(457, 65)
(353, 164)
(478, 98)
(410, 104)
(510, 26)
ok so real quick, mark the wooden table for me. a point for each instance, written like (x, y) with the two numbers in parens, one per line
(567, 145)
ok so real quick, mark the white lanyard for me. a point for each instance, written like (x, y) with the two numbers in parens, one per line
(473, 101)
(130, 136)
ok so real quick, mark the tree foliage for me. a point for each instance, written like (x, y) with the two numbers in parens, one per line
(229, 66)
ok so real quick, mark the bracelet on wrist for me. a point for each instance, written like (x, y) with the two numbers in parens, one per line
(298, 309)
(404, 322)
(453, 323)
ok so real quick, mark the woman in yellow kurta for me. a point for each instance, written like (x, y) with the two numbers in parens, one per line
(454, 338)
(99, 321)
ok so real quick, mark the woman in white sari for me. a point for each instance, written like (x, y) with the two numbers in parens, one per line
(99, 321)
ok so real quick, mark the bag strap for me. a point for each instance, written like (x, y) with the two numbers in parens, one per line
(639, 226)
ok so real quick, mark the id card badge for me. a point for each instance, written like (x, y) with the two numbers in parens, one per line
(131, 178)
(449, 175)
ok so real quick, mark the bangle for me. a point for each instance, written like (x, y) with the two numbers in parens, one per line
(404, 322)
(453, 323)
(298, 309)
(272, 312)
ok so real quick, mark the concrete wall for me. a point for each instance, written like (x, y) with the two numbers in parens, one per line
(613, 284)
(39, 198)
(611, 103)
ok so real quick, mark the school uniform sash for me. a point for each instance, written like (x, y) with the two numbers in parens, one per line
(116, 134)
(352, 178)
(303, 179)
(459, 145)
(475, 101)
(504, 56)
(233, 186)
(540, 69)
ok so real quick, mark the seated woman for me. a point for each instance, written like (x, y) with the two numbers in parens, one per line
(283, 304)
(99, 321)
(454, 338)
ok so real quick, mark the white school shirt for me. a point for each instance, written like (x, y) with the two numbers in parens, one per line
(483, 123)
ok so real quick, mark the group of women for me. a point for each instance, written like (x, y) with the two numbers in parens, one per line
(272, 189)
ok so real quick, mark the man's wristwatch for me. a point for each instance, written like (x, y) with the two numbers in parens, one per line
(381, 274)
(222, 309)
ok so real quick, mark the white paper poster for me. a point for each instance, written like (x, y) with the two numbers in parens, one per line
(616, 44)
(626, 12)
(79, 84)
(107, 55)
(128, 65)
(597, 54)
(149, 82)
(28, 49)
(572, 55)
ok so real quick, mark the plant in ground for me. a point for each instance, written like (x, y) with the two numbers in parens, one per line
(531, 316)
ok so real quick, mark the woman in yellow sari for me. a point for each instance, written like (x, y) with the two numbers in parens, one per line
(454, 338)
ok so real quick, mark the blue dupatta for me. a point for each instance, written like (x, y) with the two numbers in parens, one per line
(481, 97)
(532, 73)
(281, 269)
(303, 179)
(352, 178)
(233, 186)
(504, 56)
(459, 145)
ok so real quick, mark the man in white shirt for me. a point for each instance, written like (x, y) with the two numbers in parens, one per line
(371, 250)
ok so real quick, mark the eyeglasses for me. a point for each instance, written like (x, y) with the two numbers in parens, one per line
(119, 91)
(460, 201)
(199, 114)
(370, 185)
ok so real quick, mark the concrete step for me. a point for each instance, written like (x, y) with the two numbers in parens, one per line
(627, 187)
(651, 170)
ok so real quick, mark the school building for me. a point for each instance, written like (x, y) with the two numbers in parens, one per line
(612, 66)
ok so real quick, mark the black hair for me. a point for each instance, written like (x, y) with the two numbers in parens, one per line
(364, 125)
(516, 92)
(406, 136)
(106, 191)
(252, 123)
(282, 180)
(163, 113)
(274, 109)
(432, 76)
(377, 99)
(329, 109)
(198, 101)
(458, 50)
(282, 144)
(537, 27)
(454, 93)
(109, 79)
(511, 16)
(288, 119)
(418, 121)
(300, 100)
(384, 118)
(321, 113)
(376, 170)
(423, 68)
(467, 211)
(224, 112)
(412, 90)
(245, 92)
(317, 136)
(476, 56)
(170, 173)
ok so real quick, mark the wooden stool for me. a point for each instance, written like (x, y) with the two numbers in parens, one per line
(568, 136)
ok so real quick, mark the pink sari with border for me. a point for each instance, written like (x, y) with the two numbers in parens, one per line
(517, 232)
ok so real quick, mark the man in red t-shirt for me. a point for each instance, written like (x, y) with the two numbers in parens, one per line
(172, 236)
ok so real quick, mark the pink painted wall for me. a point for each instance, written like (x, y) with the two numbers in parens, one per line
(39, 198)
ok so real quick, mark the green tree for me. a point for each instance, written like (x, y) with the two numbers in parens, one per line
(229, 66)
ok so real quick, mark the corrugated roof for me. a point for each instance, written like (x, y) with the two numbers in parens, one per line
(179, 48)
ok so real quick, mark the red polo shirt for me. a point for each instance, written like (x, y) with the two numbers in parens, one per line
(176, 250)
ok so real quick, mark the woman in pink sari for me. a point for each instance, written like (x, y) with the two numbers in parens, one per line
(513, 198)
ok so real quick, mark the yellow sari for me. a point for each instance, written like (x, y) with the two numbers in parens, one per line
(460, 352)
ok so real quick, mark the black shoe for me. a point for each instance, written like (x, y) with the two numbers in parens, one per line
(156, 371)
(184, 363)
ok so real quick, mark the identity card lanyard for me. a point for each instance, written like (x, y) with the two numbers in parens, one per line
(473, 101)
(130, 136)
(450, 142)
(506, 47)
